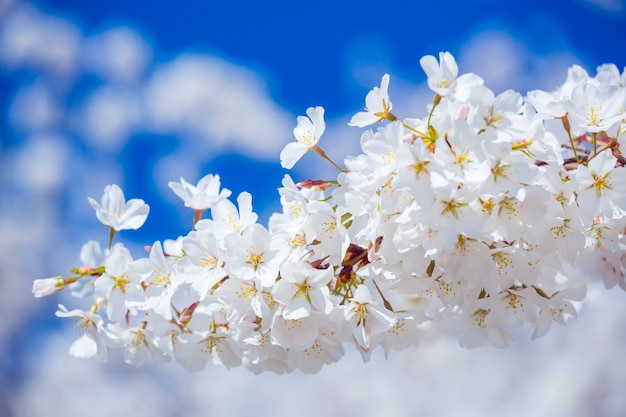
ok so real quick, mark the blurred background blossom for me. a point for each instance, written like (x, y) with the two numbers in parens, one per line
(141, 93)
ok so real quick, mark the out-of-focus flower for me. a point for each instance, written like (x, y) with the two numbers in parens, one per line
(92, 343)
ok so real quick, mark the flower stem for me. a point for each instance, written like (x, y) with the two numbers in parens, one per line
(436, 101)
(386, 302)
(321, 153)
(111, 234)
(412, 129)
(594, 140)
(566, 125)
(197, 214)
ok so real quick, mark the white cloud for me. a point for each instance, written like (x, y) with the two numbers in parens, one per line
(213, 105)
(118, 54)
(572, 371)
(210, 103)
(506, 63)
(497, 57)
(30, 177)
(218, 104)
(607, 5)
(40, 164)
(173, 166)
(109, 116)
(73, 387)
(35, 107)
(5, 5)
(31, 39)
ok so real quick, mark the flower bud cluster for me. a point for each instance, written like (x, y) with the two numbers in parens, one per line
(489, 212)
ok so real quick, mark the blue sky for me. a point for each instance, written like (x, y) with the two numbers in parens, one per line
(308, 53)
(140, 93)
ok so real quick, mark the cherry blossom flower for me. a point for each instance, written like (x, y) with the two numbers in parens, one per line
(92, 342)
(158, 281)
(301, 288)
(377, 106)
(47, 286)
(120, 284)
(559, 308)
(244, 297)
(204, 261)
(202, 196)
(253, 257)
(366, 316)
(441, 75)
(307, 133)
(138, 344)
(193, 349)
(296, 334)
(116, 212)
(602, 187)
(483, 214)
(263, 355)
(226, 219)
(323, 351)
(593, 109)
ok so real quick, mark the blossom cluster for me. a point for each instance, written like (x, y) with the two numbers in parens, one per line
(487, 213)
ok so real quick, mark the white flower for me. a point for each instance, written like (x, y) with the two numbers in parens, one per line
(243, 297)
(471, 215)
(476, 328)
(138, 344)
(251, 255)
(546, 103)
(602, 187)
(594, 109)
(557, 309)
(262, 355)
(156, 280)
(325, 229)
(204, 261)
(302, 287)
(307, 134)
(288, 225)
(193, 349)
(295, 333)
(441, 75)
(47, 286)
(366, 316)
(119, 284)
(227, 219)
(377, 106)
(443, 80)
(116, 212)
(326, 349)
(91, 344)
(202, 196)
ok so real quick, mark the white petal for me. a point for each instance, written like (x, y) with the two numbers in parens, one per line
(84, 347)
(362, 119)
(291, 154)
